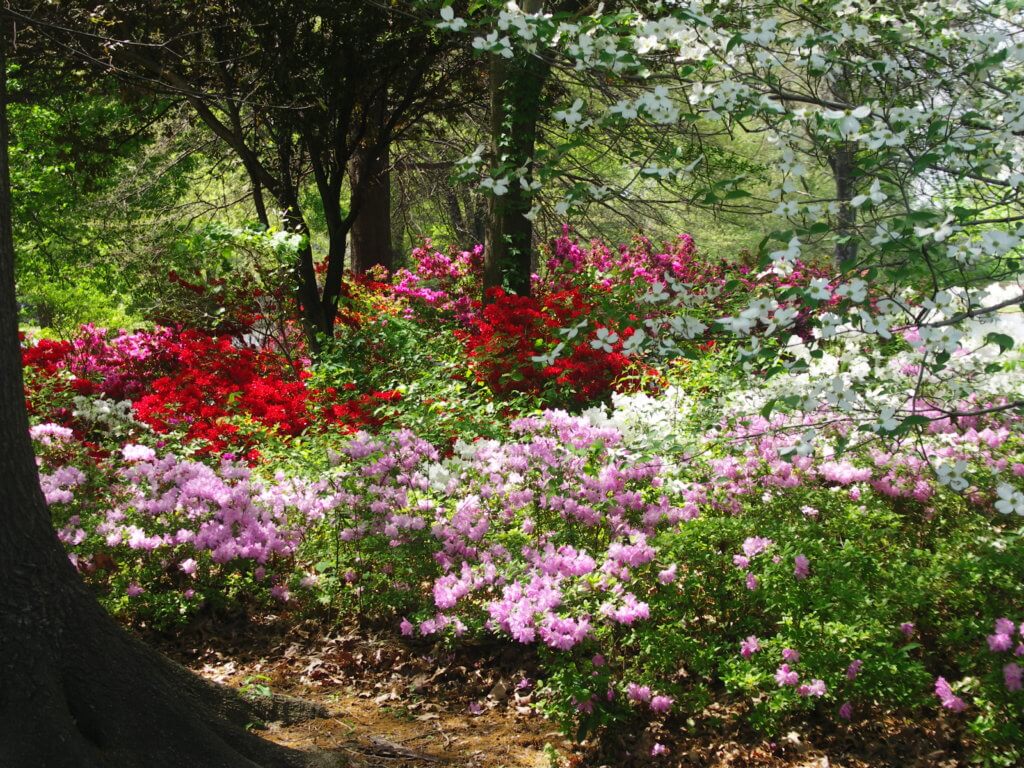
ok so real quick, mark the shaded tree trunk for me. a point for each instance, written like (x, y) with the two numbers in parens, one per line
(75, 689)
(841, 162)
(371, 244)
(515, 101)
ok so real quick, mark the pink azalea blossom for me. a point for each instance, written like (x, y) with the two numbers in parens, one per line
(661, 704)
(946, 696)
(749, 647)
(801, 567)
(785, 676)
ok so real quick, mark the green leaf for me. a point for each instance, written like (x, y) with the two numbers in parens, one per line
(1001, 340)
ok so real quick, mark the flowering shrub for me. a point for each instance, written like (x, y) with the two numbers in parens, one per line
(442, 286)
(162, 536)
(210, 392)
(503, 349)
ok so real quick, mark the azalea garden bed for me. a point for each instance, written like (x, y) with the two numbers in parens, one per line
(584, 475)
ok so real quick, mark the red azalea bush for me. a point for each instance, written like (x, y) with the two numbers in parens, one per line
(210, 390)
(215, 379)
(509, 333)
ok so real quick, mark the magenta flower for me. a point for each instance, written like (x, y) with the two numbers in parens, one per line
(801, 567)
(755, 545)
(134, 590)
(790, 655)
(785, 676)
(751, 581)
(638, 693)
(907, 628)
(854, 669)
(1006, 627)
(946, 696)
(749, 647)
(846, 711)
(661, 704)
(659, 749)
(280, 592)
(406, 627)
(815, 688)
(999, 642)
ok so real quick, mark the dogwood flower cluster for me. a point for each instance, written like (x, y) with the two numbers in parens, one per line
(906, 109)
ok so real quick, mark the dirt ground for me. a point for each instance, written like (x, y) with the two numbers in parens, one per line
(409, 706)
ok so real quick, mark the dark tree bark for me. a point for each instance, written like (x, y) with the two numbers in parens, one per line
(516, 88)
(371, 231)
(841, 162)
(370, 178)
(75, 689)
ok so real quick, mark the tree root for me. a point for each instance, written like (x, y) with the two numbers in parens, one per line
(76, 691)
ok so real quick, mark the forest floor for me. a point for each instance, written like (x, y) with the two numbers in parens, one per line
(402, 705)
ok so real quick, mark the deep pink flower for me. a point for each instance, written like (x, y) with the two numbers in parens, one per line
(639, 693)
(815, 688)
(661, 704)
(785, 676)
(946, 696)
(999, 642)
(749, 647)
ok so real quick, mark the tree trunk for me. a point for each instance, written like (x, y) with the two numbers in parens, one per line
(371, 231)
(75, 689)
(307, 289)
(516, 87)
(846, 220)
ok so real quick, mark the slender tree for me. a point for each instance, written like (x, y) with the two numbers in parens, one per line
(516, 88)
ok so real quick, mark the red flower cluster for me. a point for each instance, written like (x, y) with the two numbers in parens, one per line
(204, 386)
(213, 380)
(511, 330)
(46, 356)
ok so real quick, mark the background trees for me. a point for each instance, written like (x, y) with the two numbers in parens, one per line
(300, 92)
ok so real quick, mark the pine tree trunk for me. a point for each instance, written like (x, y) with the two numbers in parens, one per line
(75, 689)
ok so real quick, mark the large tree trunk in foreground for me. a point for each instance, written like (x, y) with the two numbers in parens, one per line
(75, 689)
